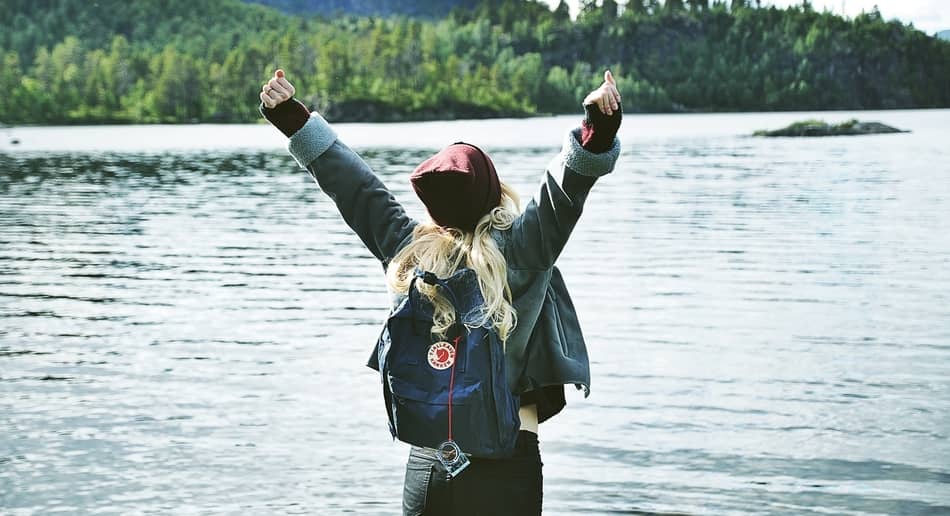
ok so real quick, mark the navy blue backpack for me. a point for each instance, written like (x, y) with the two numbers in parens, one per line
(449, 391)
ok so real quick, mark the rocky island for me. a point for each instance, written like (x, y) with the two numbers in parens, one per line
(822, 128)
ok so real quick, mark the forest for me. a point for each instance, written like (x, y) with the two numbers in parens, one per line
(185, 61)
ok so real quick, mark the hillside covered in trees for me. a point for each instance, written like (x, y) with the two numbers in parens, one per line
(74, 61)
(414, 8)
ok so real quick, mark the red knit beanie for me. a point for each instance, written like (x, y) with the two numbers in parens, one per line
(458, 185)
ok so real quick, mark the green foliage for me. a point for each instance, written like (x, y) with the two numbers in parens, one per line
(426, 8)
(204, 60)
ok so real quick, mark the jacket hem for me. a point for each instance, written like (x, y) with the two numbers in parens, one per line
(580, 385)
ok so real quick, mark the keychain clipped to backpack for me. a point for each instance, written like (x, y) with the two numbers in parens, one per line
(451, 456)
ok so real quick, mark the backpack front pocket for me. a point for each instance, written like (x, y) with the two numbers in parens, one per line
(421, 417)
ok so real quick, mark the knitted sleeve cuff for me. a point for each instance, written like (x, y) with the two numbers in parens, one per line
(586, 162)
(312, 140)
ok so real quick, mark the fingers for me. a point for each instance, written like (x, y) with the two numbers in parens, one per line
(607, 96)
(279, 80)
(610, 97)
(274, 85)
(614, 96)
(268, 102)
(271, 97)
(276, 97)
(601, 98)
(278, 89)
(611, 85)
(603, 104)
(284, 83)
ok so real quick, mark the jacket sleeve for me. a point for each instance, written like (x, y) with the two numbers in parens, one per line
(366, 204)
(539, 234)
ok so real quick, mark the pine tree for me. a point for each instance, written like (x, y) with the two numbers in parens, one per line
(636, 6)
(673, 6)
(562, 13)
(698, 5)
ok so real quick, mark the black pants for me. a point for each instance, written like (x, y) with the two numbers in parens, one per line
(486, 487)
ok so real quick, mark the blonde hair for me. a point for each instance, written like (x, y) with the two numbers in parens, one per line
(442, 250)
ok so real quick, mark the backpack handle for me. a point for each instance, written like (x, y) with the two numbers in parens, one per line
(431, 279)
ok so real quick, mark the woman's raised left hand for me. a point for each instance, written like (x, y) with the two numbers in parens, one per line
(276, 90)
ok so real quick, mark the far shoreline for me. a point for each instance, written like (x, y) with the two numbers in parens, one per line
(537, 133)
(93, 123)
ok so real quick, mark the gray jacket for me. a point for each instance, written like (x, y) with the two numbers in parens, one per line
(547, 346)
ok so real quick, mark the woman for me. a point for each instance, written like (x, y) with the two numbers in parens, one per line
(476, 223)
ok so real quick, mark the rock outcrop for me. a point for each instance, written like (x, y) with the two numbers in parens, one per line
(821, 128)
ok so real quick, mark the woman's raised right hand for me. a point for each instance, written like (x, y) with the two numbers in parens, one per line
(606, 97)
(276, 90)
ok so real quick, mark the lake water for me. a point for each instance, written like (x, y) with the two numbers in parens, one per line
(184, 320)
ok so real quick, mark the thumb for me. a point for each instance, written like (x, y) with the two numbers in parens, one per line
(279, 73)
(609, 77)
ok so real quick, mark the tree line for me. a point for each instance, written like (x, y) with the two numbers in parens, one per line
(115, 61)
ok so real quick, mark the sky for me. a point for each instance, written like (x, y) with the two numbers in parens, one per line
(929, 16)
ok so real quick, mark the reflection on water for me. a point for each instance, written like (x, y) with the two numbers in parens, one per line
(767, 322)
